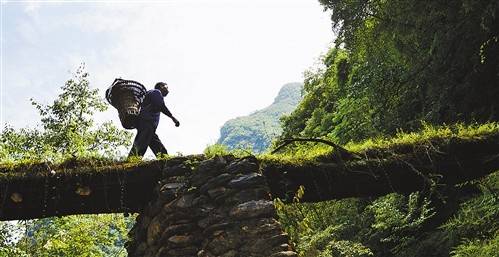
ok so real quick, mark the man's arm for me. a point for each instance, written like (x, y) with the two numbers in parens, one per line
(177, 123)
(158, 100)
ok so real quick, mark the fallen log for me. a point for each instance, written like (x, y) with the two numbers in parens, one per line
(42, 191)
(375, 172)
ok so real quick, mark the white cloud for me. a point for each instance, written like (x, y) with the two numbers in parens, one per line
(31, 6)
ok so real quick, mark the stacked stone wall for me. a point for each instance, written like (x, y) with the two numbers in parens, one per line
(217, 207)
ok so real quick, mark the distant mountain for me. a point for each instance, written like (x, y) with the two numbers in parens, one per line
(257, 130)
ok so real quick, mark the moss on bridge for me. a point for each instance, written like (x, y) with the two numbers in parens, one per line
(84, 186)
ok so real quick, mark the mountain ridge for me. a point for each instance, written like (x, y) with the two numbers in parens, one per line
(257, 130)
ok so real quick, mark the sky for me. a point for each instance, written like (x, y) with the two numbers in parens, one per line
(220, 59)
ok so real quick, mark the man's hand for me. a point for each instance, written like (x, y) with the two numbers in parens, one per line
(177, 123)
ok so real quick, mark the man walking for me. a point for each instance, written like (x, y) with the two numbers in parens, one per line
(151, 108)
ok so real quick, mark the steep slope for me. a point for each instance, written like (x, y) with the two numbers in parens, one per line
(257, 130)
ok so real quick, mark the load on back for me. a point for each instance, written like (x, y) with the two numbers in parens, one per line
(126, 96)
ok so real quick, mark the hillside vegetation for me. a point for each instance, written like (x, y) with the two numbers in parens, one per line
(399, 67)
(435, 219)
(256, 131)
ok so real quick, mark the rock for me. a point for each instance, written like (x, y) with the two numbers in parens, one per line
(179, 217)
(170, 186)
(250, 180)
(261, 245)
(201, 200)
(220, 161)
(285, 254)
(179, 241)
(249, 195)
(246, 165)
(141, 249)
(155, 207)
(143, 227)
(177, 160)
(180, 229)
(251, 209)
(224, 242)
(185, 201)
(154, 231)
(216, 216)
(204, 253)
(218, 226)
(184, 251)
(261, 226)
(182, 202)
(231, 253)
(217, 192)
(177, 170)
(286, 247)
(218, 181)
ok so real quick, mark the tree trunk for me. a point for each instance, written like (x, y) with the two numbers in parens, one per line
(401, 168)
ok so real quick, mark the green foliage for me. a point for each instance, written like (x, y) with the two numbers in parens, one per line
(326, 243)
(79, 235)
(21, 144)
(67, 135)
(476, 225)
(477, 248)
(67, 128)
(299, 152)
(8, 240)
(428, 133)
(322, 90)
(326, 228)
(393, 225)
(355, 227)
(472, 231)
(221, 150)
(399, 67)
(396, 63)
(352, 121)
(397, 219)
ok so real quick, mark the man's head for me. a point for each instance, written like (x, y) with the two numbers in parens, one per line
(161, 86)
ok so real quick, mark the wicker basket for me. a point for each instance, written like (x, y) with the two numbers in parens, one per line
(126, 96)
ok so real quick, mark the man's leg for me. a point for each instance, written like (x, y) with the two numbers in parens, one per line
(156, 146)
(145, 132)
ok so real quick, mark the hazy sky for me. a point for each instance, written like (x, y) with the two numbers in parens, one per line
(221, 59)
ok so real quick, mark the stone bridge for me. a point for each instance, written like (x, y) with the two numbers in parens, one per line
(222, 206)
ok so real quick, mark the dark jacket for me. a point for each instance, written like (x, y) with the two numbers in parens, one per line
(152, 106)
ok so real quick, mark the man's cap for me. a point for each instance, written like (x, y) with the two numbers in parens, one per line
(160, 84)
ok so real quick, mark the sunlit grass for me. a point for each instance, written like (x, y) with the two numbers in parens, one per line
(221, 150)
(298, 152)
(429, 133)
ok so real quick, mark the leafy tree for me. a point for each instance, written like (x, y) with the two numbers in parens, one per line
(426, 53)
(8, 240)
(329, 109)
(396, 63)
(67, 127)
(79, 235)
(21, 144)
(398, 225)
(67, 130)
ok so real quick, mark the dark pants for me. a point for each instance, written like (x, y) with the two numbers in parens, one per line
(146, 137)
